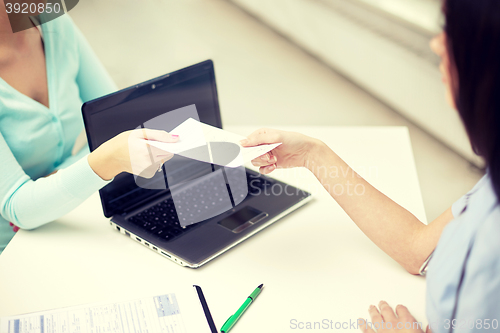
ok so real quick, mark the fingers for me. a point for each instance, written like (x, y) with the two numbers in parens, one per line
(158, 135)
(265, 160)
(267, 169)
(386, 312)
(266, 163)
(375, 315)
(364, 326)
(386, 320)
(149, 171)
(145, 160)
(158, 154)
(260, 137)
(406, 318)
(404, 314)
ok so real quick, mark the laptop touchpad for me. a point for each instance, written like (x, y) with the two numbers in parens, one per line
(242, 219)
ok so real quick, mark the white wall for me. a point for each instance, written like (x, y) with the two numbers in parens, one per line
(396, 75)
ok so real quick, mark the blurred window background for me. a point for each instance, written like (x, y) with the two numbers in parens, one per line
(422, 14)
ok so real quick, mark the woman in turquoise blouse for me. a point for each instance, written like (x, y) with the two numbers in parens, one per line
(462, 246)
(45, 76)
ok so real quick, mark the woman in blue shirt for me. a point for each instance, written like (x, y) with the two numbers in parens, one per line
(46, 73)
(462, 246)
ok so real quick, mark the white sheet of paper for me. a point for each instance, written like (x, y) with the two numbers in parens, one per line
(178, 312)
(193, 133)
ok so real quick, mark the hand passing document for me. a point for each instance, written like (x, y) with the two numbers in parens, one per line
(210, 144)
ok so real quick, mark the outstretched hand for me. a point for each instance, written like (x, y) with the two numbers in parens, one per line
(294, 151)
(130, 152)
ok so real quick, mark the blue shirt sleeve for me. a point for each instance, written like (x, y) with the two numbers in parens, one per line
(458, 207)
(463, 281)
(478, 308)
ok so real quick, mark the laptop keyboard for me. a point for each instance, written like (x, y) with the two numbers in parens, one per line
(162, 220)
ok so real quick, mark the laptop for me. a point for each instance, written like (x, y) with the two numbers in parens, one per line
(148, 213)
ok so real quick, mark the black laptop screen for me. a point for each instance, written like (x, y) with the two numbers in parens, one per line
(127, 109)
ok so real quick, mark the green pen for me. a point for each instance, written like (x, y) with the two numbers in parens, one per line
(234, 318)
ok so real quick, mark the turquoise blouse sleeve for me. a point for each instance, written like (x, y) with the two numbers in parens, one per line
(92, 78)
(29, 204)
(27, 198)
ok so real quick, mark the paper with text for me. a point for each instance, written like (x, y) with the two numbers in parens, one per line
(162, 314)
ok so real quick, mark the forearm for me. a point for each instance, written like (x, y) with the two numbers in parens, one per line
(34, 203)
(102, 163)
(391, 227)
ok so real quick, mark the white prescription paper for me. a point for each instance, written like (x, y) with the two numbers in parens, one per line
(172, 313)
(193, 133)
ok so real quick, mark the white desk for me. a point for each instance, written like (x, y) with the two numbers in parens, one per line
(315, 263)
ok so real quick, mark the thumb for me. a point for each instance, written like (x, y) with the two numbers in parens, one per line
(158, 135)
(260, 137)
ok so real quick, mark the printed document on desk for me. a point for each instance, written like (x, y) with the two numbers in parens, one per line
(176, 312)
